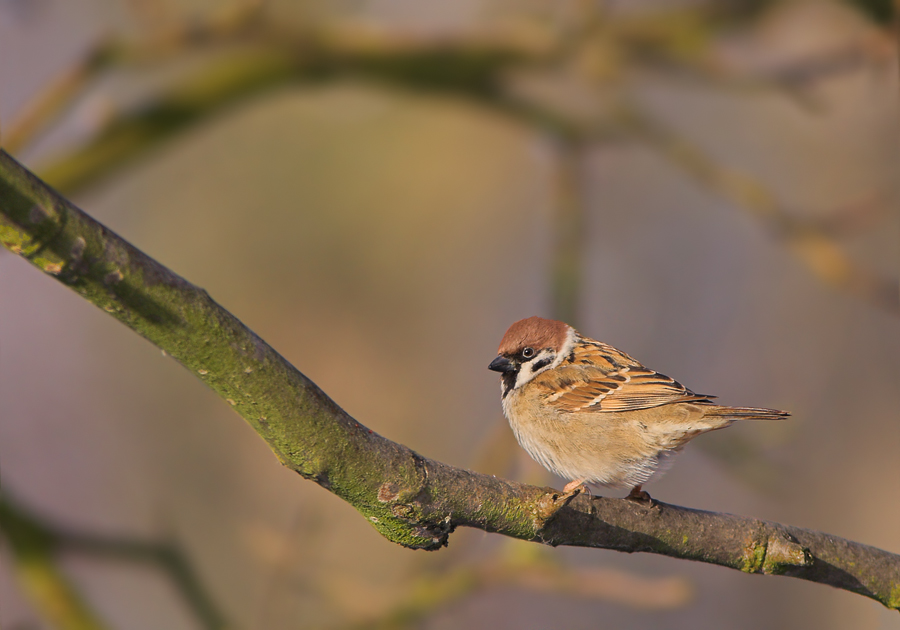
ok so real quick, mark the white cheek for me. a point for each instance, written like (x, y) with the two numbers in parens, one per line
(526, 372)
(523, 376)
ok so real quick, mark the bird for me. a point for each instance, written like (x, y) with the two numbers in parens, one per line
(592, 414)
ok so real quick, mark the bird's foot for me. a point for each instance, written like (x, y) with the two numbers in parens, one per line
(552, 503)
(570, 491)
(640, 496)
(576, 487)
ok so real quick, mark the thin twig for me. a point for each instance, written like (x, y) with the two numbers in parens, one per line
(34, 562)
(811, 242)
(569, 225)
(37, 544)
(440, 589)
(46, 107)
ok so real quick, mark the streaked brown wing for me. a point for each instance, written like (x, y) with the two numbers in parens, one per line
(600, 378)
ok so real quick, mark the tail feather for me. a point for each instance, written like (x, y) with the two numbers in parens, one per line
(746, 413)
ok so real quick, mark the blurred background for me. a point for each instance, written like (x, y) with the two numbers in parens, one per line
(376, 187)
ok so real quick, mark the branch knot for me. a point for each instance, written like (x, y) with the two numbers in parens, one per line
(775, 554)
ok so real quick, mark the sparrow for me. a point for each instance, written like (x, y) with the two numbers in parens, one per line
(592, 414)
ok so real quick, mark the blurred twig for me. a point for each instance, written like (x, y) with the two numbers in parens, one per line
(54, 99)
(34, 550)
(476, 66)
(521, 567)
(36, 547)
(224, 24)
(812, 243)
(793, 77)
(165, 34)
(128, 135)
(251, 69)
(569, 225)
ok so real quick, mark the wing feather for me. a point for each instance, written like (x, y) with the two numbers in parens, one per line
(597, 377)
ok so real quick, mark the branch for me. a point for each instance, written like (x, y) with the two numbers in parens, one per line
(411, 500)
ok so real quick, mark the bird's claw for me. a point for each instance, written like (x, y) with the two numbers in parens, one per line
(641, 496)
(576, 487)
(570, 491)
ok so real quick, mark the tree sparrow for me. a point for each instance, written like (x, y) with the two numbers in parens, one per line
(591, 413)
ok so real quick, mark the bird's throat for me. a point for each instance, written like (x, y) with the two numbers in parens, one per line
(508, 382)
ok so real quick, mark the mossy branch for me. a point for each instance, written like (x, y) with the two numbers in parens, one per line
(411, 500)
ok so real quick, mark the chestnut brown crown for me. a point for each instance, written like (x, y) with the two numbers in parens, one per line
(534, 332)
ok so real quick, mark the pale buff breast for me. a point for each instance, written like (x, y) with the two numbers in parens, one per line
(620, 450)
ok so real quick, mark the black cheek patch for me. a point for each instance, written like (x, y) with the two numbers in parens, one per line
(541, 364)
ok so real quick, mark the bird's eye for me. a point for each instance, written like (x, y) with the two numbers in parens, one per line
(528, 352)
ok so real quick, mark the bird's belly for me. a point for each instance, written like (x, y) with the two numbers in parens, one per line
(610, 449)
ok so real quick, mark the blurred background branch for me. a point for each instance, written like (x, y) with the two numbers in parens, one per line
(570, 81)
(527, 567)
(35, 555)
(812, 241)
(38, 545)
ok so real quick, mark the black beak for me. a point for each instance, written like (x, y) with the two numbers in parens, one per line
(502, 364)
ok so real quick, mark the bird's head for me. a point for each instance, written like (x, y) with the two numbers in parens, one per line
(530, 347)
